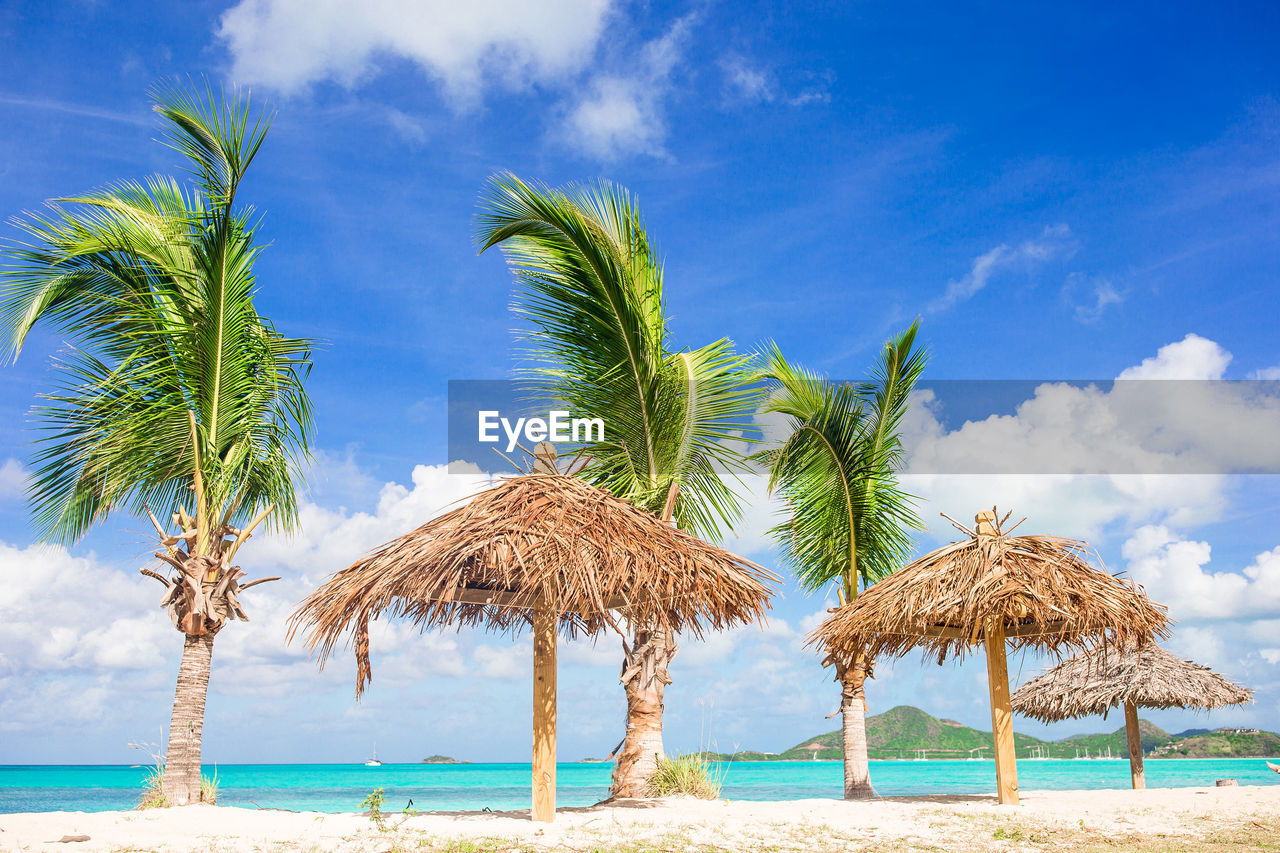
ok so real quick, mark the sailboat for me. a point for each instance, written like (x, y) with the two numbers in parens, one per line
(374, 762)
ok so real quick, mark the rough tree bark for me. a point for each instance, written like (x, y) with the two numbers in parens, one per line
(853, 713)
(644, 679)
(181, 782)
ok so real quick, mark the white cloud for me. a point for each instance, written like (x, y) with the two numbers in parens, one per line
(1175, 571)
(13, 479)
(745, 82)
(330, 539)
(1193, 357)
(507, 662)
(290, 44)
(1056, 241)
(719, 646)
(65, 613)
(1198, 426)
(623, 114)
(1102, 293)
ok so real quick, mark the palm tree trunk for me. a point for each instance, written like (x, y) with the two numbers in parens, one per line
(853, 712)
(181, 783)
(644, 678)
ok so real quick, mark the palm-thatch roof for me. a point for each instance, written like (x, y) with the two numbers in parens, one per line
(1108, 677)
(542, 540)
(1041, 589)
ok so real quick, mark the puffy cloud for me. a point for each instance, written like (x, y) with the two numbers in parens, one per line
(1174, 571)
(64, 613)
(1197, 425)
(623, 114)
(289, 44)
(1056, 241)
(330, 539)
(1193, 357)
(776, 638)
(507, 662)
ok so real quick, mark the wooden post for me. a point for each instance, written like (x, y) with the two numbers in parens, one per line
(544, 714)
(1135, 746)
(1001, 714)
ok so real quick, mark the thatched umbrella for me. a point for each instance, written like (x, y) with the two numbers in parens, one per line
(991, 589)
(537, 550)
(1109, 677)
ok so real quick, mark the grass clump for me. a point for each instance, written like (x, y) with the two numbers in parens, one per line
(152, 796)
(373, 803)
(209, 788)
(691, 775)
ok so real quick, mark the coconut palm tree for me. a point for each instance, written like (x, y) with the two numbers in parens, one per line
(847, 521)
(590, 288)
(175, 396)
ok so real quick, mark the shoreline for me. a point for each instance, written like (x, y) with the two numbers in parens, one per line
(464, 764)
(1164, 818)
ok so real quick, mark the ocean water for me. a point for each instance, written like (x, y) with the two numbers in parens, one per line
(449, 787)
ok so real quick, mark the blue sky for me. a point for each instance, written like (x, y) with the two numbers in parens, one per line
(1058, 194)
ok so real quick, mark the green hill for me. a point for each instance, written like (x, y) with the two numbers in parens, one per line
(1117, 741)
(1222, 745)
(908, 732)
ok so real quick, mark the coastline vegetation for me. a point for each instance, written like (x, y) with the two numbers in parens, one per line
(691, 775)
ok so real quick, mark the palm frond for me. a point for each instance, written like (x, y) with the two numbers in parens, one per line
(154, 287)
(847, 519)
(590, 288)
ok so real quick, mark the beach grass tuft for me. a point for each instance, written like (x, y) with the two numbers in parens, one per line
(152, 792)
(209, 788)
(692, 775)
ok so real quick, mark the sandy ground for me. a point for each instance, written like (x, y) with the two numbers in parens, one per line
(1164, 819)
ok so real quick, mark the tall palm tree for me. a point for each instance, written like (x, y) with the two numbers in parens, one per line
(847, 520)
(589, 284)
(175, 395)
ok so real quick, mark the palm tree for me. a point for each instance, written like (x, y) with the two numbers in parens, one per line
(590, 288)
(175, 394)
(847, 520)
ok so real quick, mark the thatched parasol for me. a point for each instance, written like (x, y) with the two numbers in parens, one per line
(1109, 677)
(993, 588)
(537, 550)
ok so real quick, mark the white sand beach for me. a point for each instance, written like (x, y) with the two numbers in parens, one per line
(1157, 819)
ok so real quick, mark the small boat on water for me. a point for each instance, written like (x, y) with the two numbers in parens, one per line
(373, 762)
(1275, 767)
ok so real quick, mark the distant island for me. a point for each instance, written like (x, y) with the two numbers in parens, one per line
(906, 732)
(442, 759)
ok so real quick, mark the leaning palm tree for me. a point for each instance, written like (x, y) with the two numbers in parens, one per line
(175, 395)
(590, 287)
(847, 521)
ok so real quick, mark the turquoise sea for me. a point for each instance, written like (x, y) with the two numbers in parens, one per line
(437, 787)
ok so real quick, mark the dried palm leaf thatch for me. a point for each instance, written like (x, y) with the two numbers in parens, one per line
(1107, 677)
(1041, 589)
(541, 540)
